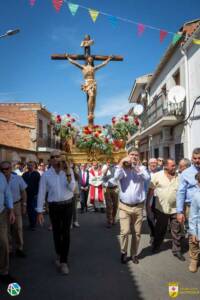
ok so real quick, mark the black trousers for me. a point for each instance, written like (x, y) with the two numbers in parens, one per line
(84, 197)
(31, 210)
(162, 221)
(61, 216)
(149, 220)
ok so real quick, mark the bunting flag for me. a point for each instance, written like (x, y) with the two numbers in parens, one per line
(140, 29)
(93, 14)
(196, 42)
(113, 21)
(73, 8)
(176, 38)
(163, 35)
(57, 4)
(32, 2)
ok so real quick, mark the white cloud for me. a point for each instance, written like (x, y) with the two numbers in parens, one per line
(113, 106)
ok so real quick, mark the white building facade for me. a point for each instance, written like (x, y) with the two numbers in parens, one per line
(171, 130)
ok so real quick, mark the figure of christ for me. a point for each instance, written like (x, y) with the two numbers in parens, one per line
(90, 85)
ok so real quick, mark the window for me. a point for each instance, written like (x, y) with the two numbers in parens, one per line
(156, 152)
(141, 156)
(166, 152)
(40, 128)
(49, 131)
(179, 153)
(23, 159)
(176, 77)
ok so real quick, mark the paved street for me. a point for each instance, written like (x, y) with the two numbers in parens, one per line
(95, 270)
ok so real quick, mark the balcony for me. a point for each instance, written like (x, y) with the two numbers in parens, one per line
(48, 143)
(159, 113)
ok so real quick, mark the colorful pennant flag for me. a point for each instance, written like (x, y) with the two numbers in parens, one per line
(93, 14)
(113, 21)
(163, 35)
(196, 42)
(73, 8)
(140, 29)
(57, 4)
(32, 2)
(176, 38)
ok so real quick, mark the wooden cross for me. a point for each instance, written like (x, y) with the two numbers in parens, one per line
(86, 44)
(87, 51)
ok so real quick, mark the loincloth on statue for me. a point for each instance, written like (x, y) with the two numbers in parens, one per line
(89, 87)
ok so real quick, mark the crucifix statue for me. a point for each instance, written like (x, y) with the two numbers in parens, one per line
(88, 70)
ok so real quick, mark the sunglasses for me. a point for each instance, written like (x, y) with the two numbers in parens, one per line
(56, 156)
(5, 169)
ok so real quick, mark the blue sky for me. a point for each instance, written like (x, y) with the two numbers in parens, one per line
(29, 75)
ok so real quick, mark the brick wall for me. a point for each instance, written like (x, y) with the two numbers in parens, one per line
(18, 125)
(16, 136)
(20, 112)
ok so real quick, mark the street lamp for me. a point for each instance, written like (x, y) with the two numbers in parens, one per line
(9, 32)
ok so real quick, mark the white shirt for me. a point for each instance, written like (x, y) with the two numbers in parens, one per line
(96, 179)
(17, 185)
(109, 180)
(132, 190)
(18, 172)
(57, 187)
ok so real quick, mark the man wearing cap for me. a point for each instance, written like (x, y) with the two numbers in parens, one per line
(60, 195)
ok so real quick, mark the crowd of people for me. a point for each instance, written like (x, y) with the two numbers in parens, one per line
(166, 195)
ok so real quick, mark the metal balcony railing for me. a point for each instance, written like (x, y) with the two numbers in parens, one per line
(49, 142)
(159, 108)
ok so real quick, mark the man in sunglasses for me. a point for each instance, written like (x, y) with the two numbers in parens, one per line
(6, 206)
(60, 197)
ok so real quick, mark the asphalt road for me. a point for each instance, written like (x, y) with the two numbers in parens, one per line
(95, 269)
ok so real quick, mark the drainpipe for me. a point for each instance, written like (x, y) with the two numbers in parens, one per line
(187, 85)
(150, 136)
(150, 147)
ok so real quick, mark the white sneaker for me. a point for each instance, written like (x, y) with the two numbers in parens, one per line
(64, 269)
(76, 224)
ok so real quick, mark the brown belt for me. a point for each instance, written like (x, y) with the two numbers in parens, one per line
(112, 187)
(131, 205)
(17, 201)
(61, 202)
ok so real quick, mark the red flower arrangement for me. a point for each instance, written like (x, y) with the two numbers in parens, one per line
(65, 125)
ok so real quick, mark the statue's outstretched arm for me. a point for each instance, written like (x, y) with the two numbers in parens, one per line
(74, 62)
(103, 64)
